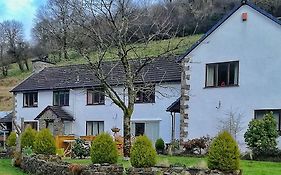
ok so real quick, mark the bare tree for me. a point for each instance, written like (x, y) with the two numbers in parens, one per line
(111, 29)
(232, 122)
(53, 26)
(16, 46)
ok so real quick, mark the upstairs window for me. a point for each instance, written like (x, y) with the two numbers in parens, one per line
(95, 96)
(259, 114)
(30, 99)
(61, 98)
(222, 74)
(145, 94)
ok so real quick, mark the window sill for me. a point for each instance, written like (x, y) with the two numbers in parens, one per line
(30, 106)
(211, 87)
(100, 104)
(144, 102)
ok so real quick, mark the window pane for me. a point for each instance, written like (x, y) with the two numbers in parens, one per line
(233, 73)
(139, 129)
(211, 75)
(89, 130)
(66, 100)
(222, 74)
(90, 97)
(56, 98)
(101, 127)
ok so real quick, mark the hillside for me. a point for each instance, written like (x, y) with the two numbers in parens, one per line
(15, 76)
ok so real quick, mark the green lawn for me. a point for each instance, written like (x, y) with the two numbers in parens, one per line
(6, 168)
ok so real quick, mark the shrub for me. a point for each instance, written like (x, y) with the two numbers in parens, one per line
(28, 137)
(80, 149)
(142, 153)
(224, 153)
(27, 151)
(45, 143)
(261, 135)
(12, 139)
(104, 150)
(197, 146)
(160, 145)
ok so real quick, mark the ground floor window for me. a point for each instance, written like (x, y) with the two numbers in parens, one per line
(276, 114)
(33, 124)
(94, 127)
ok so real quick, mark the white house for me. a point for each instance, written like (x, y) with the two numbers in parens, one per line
(70, 100)
(233, 68)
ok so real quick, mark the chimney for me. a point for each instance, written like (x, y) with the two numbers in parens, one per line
(39, 64)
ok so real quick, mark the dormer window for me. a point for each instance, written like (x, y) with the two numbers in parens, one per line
(30, 99)
(222, 74)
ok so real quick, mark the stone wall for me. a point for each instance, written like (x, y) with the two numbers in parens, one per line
(38, 166)
(175, 171)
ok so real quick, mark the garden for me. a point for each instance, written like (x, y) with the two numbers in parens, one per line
(220, 155)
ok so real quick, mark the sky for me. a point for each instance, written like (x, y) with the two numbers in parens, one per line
(20, 10)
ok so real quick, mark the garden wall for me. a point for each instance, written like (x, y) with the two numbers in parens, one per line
(38, 165)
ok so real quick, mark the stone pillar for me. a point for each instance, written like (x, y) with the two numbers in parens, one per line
(185, 87)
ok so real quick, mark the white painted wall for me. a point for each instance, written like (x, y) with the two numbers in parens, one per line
(109, 113)
(256, 44)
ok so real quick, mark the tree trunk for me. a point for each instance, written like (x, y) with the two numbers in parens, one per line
(127, 134)
(21, 66)
(26, 64)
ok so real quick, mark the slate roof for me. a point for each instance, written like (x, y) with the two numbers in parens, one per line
(7, 119)
(60, 113)
(243, 2)
(81, 76)
(174, 107)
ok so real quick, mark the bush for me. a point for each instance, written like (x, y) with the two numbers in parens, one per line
(197, 146)
(45, 143)
(104, 150)
(80, 149)
(160, 145)
(12, 139)
(27, 151)
(28, 137)
(261, 136)
(224, 153)
(142, 153)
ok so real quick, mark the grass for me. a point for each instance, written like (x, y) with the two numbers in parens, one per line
(6, 168)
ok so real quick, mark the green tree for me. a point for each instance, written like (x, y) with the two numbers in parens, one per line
(224, 153)
(142, 153)
(45, 143)
(262, 134)
(104, 150)
(28, 137)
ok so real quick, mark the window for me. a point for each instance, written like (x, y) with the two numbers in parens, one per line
(276, 114)
(61, 98)
(145, 94)
(33, 124)
(222, 74)
(30, 99)
(140, 128)
(95, 96)
(94, 127)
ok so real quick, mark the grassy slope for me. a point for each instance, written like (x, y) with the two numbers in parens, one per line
(248, 167)
(6, 168)
(154, 48)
